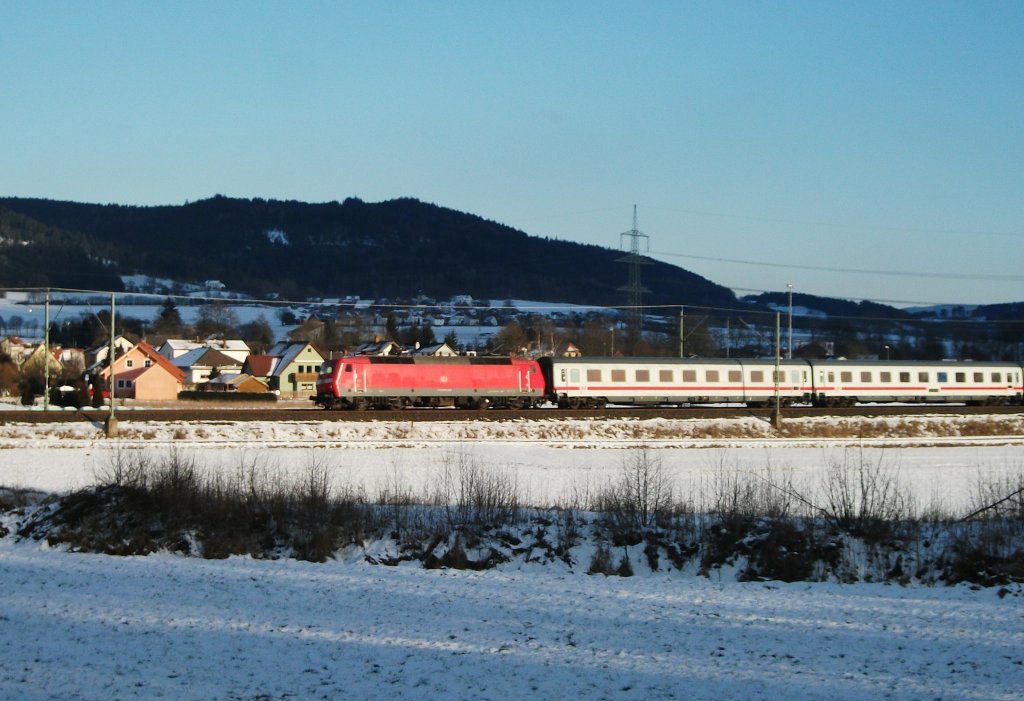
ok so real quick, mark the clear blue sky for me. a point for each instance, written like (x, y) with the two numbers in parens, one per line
(818, 137)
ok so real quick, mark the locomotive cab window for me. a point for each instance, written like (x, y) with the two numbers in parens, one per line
(348, 367)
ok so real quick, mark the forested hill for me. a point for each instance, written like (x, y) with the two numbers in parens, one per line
(388, 249)
(33, 254)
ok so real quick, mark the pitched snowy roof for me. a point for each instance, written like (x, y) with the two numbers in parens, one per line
(204, 357)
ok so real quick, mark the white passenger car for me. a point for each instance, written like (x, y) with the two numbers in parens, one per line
(594, 382)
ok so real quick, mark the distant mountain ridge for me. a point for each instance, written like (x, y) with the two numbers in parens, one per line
(397, 248)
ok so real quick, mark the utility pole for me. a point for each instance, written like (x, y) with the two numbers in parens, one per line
(777, 411)
(789, 346)
(681, 336)
(46, 351)
(112, 419)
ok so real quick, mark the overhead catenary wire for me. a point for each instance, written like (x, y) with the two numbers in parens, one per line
(535, 307)
(852, 271)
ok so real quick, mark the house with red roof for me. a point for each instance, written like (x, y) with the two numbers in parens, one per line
(142, 373)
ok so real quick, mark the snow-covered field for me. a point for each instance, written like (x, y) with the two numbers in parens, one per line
(97, 627)
(549, 460)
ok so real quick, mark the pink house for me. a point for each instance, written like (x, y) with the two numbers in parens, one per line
(142, 373)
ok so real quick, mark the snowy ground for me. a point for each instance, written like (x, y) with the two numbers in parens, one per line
(96, 627)
(549, 460)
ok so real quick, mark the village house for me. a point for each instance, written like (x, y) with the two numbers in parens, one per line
(98, 355)
(38, 358)
(16, 348)
(176, 347)
(439, 350)
(288, 368)
(235, 382)
(142, 373)
(200, 364)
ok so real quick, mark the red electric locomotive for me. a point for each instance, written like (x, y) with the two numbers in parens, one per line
(394, 382)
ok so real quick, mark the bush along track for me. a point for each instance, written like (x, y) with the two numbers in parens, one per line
(857, 527)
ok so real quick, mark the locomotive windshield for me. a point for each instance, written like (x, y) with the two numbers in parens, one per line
(327, 368)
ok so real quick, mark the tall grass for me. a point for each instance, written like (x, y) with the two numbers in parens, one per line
(856, 521)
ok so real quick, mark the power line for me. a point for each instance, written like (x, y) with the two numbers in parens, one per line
(856, 271)
(536, 307)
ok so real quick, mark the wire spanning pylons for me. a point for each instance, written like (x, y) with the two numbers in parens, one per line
(634, 288)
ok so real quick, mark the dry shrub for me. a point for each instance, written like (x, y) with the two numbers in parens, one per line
(863, 497)
(475, 496)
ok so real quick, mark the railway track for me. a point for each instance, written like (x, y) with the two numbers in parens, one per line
(306, 414)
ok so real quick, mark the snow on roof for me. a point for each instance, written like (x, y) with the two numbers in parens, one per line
(204, 357)
(288, 354)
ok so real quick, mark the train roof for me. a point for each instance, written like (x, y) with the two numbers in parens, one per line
(830, 362)
(591, 360)
(431, 360)
(918, 363)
